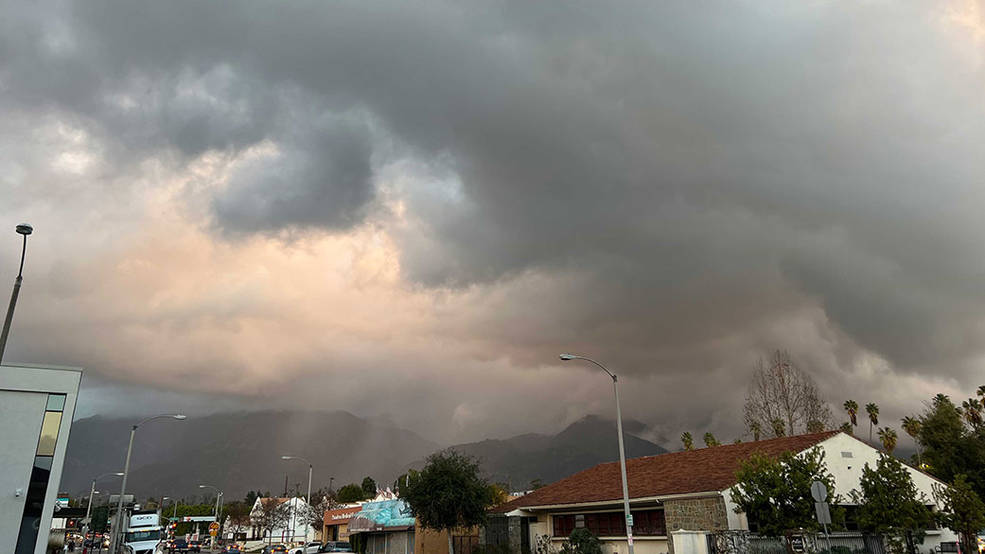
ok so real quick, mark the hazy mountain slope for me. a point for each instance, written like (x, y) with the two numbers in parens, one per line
(238, 452)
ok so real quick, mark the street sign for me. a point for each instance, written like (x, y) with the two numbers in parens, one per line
(213, 532)
(819, 491)
(629, 520)
(198, 518)
(823, 513)
(213, 526)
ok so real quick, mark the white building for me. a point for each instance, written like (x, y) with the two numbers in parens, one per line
(36, 409)
(291, 524)
(669, 493)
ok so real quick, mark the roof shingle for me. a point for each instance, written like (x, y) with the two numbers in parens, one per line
(701, 470)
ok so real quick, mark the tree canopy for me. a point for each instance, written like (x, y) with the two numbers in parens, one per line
(350, 493)
(775, 492)
(890, 504)
(962, 511)
(448, 493)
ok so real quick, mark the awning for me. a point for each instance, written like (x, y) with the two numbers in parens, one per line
(386, 515)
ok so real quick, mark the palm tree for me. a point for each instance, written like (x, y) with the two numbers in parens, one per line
(756, 429)
(873, 412)
(981, 390)
(972, 409)
(911, 426)
(851, 407)
(888, 438)
(687, 440)
(846, 427)
(710, 439)
(779, 428)
(815, 426)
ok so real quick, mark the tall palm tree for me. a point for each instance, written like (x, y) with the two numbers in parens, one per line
(873, 412)
(779, 428)
(911, 426)
(888, 438)
(710, 439)
(851, 407)
(756, 429)
(687, 440)
(981, 390)
(972, 409)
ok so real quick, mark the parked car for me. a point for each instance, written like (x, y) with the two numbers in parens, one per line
(336, 546)
(310, 548)
(232, 549)
(177, 546)
(195, 546)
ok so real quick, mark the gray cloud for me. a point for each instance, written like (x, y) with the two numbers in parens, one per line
(675, 188)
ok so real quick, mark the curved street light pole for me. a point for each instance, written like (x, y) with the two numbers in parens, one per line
(622, 447)
(218, 495)
(307, 500)
(92, 491)
(24, 229)
(114, 543)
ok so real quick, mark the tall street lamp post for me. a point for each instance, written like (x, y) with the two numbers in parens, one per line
(622, 447)
(307, 500)
(22, 229)
(114, 544)
(218, 495)
(92, 491)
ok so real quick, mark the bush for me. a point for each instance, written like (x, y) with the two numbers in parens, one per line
(582, 541)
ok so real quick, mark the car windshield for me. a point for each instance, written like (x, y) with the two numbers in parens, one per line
(151, 535)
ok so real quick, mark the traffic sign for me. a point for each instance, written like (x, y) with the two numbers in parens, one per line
(629, 520)
(819, 491)
(823, 513)
(214, 526)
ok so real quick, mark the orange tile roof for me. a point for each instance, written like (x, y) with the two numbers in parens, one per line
(701, 470)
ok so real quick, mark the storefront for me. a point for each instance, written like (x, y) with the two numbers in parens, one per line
(385, 527)
(336, 526)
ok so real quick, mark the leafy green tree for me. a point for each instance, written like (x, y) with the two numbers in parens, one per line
(582, 541)
(775, 492)
(369, 487)
(687, 440)
(710, 440)
(350, 493)
(449, 493)
(890, 504)
(948, 447)
(962, 511)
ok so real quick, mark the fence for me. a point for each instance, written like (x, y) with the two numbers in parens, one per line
(731, 542)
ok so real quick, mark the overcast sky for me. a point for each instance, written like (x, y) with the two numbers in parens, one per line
(408, 209)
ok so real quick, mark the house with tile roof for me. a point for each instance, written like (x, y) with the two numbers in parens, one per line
(671, 492)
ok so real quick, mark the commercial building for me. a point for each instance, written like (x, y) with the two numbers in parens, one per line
(388, 527)
(336, 525)
(36, 409)
(673, 497)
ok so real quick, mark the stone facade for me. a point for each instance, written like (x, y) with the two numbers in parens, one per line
(695, 514)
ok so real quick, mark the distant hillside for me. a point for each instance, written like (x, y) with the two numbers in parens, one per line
(238, 452)
(520, 459)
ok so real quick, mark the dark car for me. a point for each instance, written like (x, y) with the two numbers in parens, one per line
(178, 546)
(336, 546)
(232, 549)
(194, 546)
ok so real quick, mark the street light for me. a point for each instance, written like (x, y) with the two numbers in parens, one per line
(622, 448)
(126, 471)
(22, 229)
(218, 493)
(92, 491)
(307, 500)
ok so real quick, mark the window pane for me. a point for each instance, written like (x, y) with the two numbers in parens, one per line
(56, 403)
(49, 433)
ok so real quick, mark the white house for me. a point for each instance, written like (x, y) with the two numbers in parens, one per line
(291, 525)
(671, 492)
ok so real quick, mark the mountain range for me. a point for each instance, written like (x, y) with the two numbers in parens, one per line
(238, 452)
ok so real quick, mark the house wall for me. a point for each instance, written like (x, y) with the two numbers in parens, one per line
(696, 514)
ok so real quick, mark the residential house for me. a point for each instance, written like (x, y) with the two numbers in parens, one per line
(671, 492)
(289, 525)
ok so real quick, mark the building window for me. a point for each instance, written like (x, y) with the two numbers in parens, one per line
(612, 524)
(37, 487)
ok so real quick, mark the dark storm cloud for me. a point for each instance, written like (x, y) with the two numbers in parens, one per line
(674, 187)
